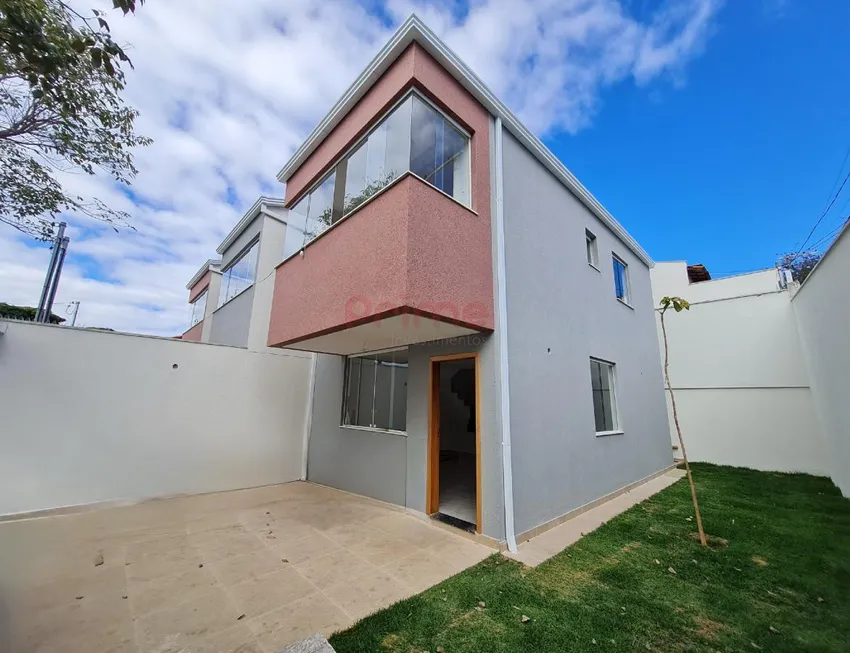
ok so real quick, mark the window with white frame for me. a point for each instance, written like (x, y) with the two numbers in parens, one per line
(621, 280)
(240, 275)
(592, 249)
(602, 380)
(199, 307)
(413, 137)
(375, 391)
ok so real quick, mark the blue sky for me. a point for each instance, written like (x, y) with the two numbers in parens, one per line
(712, 129)
(733, 166)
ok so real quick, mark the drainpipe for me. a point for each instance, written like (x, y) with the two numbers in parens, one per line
(502, 330)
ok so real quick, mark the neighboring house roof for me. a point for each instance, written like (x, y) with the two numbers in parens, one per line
(258, 207)
(697, 273)
(414, 29)
(209, 265)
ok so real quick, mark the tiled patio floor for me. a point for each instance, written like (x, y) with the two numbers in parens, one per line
(248, 571)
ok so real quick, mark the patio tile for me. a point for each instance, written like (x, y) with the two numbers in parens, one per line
(211, 522)
(312, 546)
(381, 548)
(237, 569)
(152, 553)
(80, 625)
(136, 551)
(421, 570)
(260, 595)
(168, 591)
(362, 596)
(237, 639)
(349, 535)
(103, 584)
(335, 567)
(410, 529)
(314, 614)
(460, 552)
(226, 542)
(188, 622)
(167, 563)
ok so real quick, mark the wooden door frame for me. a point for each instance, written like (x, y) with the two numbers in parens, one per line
(432, 492)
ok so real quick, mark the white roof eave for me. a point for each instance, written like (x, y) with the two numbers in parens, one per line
(247, 219)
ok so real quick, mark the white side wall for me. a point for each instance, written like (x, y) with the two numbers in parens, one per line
(92, 416)
(738, 371)
(822, 307)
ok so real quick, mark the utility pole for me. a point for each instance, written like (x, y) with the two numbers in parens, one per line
(76, 306)
(40, 315)
(60, 262)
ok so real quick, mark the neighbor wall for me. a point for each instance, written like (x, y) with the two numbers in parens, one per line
(822, 309)
(737, 368)
(561, 312)
(93, 416)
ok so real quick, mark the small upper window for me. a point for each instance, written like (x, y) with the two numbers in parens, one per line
(621, 280)
(240, 275)
(199, 306)
(604, 399)
(592, 249)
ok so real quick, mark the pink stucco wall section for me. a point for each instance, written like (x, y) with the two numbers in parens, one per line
(194, 334)
(411, 249)
(201, 286)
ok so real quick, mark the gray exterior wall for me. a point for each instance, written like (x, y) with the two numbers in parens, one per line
(562, 311)
(393, 467)
(372, 463)
(822, 307)
(232, 321)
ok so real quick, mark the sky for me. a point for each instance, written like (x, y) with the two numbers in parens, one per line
(713, 130)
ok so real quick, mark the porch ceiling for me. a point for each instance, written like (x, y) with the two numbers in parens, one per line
(386, 333)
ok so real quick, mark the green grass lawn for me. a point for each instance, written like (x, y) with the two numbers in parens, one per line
(781, 584)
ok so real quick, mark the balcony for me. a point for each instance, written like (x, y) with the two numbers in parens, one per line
(409, 265)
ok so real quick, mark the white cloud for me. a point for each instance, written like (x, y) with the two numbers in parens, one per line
(228, 94)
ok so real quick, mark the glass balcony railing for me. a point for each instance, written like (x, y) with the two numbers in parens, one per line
(412, 137)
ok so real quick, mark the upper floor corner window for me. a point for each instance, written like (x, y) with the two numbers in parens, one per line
(240, 275)
(592, 249)
(199, 307)
(413, 137)
(439, 153)
(621, 280)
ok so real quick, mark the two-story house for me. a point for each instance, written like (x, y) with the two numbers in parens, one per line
(483, 328)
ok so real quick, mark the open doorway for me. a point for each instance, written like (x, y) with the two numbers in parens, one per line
(453, 452)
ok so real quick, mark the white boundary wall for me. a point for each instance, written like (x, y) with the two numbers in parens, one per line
(739, 373)
(89, 416)
(822, 307)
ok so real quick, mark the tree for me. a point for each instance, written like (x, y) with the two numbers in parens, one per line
(60, 111)
(26, 313)
(678, 304)
(801, 264)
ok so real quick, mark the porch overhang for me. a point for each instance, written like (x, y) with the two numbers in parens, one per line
(380, 333)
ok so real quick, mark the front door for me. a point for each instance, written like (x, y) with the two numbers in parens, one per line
(454, 494)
